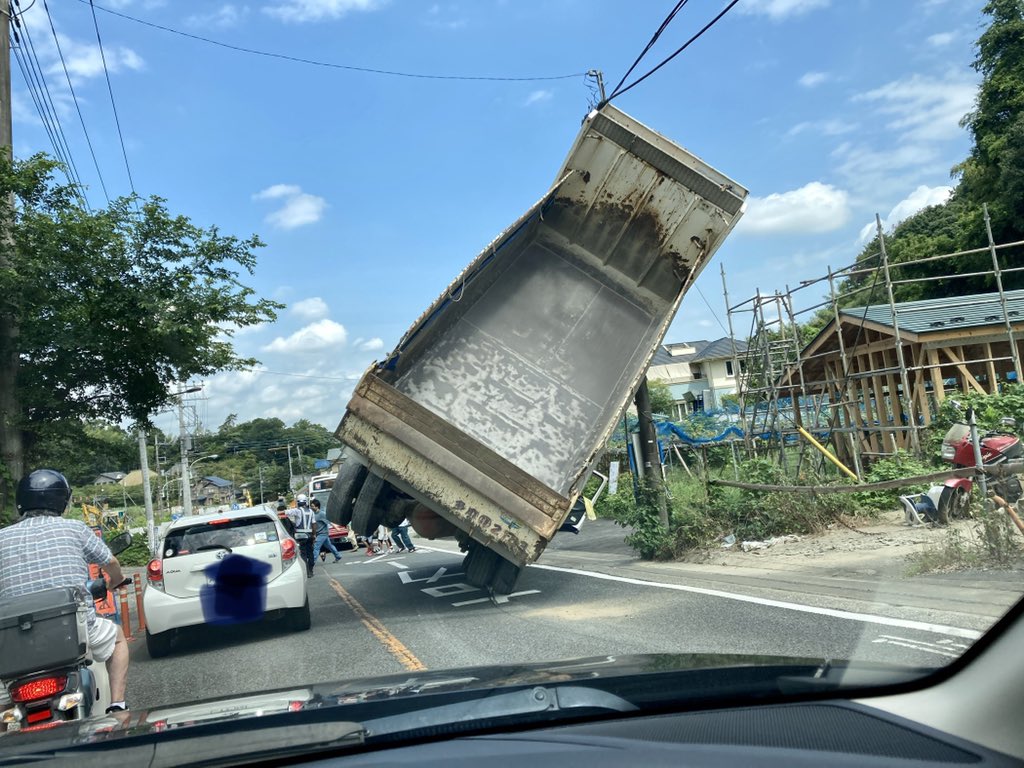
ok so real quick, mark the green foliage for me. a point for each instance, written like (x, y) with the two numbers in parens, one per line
(640, 514)
(136, 555)
(993, 173)
(661, 397)
(110, 308)
(900, 465)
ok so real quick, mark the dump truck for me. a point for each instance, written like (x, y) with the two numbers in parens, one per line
(486, 420)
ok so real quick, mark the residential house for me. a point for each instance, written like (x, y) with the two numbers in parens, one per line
(132, 478)
(698, 373)
(109, 478)
(212, 490)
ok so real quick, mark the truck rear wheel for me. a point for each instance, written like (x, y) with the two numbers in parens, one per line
(479, 565)
(347, 485)
(503, 582)
(365, 515)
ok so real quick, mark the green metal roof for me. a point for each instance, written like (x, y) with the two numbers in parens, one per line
(945, 314)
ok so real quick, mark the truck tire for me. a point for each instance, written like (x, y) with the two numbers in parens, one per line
(346, 487)
(503, 582)
(479, 565)
(365, 515)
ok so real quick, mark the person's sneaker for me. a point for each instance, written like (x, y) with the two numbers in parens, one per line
(115, 708)
(413, 549)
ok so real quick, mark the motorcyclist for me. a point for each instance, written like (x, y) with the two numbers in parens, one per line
(44, 550)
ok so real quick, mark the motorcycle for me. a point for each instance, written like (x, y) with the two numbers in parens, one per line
(46, 667)
(953, 498)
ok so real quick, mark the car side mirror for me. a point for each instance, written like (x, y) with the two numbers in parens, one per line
(120, 543)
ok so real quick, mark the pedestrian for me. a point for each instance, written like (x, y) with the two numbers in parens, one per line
(323, 533)
(302, 517)
(286, 521)
(400, 535)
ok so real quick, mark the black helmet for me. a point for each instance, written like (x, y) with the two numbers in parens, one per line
(44, 490)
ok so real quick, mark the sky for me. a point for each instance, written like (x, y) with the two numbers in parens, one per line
(372, 191)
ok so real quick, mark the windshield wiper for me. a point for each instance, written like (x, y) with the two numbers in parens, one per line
(495, 707)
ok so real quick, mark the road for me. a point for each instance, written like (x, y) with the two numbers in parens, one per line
(396, 613)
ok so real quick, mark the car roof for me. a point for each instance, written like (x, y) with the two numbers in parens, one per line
(230, 514)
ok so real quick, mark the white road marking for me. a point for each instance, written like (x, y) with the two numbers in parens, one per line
(398, 564)
(496, 599)
(867, 618)
(438, 574)
(917, 645)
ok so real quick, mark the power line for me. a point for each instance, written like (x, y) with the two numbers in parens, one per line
(110, 90)
(708, 305)
(679, 50)
(33, 58)
(47, 113)
(316, 63)
(74, 98)
(650, 44)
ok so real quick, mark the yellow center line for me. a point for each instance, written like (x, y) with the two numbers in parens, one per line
(394, 646)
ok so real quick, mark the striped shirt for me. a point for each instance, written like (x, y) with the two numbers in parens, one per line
(43, 552)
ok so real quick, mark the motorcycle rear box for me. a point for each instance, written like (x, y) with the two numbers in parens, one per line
(41, 631)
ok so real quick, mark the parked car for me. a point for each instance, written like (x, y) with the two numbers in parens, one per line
(179, 590)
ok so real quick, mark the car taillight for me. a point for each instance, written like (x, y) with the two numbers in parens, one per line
(288, 552)
(155, 573)
(41, 688)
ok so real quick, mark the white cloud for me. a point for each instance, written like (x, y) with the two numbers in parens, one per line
(781, 9)
(812, 79)
(538, 96)
(84, 59)
(924, 108)
(814, 207)
(300, 208)
(371, 345)
(314, 337)
(312, 308)
(318, 10)
(941, 39)
(919, 199)
(228, 15)
(824, 127)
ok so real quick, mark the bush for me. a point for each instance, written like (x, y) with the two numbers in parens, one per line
(900, 465)
(136, 555)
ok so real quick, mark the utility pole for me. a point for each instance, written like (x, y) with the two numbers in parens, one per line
(302, 468)
(649, 456)
(11, 449)
(291, 472)
(147, 494)
(260, 471)
(186, 481)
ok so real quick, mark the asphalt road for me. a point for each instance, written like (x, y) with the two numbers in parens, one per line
(394, 613)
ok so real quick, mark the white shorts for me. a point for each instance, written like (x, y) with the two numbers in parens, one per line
(102, 637)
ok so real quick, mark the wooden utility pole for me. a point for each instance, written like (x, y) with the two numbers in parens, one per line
(11, 452)
(649, 457)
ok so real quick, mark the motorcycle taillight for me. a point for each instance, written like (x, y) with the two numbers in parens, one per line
(40, 688)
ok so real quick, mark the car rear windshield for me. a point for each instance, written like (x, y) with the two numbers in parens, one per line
(230, 533)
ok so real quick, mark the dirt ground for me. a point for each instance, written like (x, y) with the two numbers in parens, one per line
(853, 542)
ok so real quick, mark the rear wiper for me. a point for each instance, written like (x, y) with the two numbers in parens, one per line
(497, 706)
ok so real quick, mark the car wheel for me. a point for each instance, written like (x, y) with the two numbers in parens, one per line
(365, 516)
(341, 502)
(299, 619)
(158, 645)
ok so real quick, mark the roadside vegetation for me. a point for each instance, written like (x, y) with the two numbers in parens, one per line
(703, 514)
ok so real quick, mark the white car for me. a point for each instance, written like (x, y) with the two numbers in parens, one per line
(179, 583)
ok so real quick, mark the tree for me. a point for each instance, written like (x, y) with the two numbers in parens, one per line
(661, 397)
(110, 308)
(993, 173)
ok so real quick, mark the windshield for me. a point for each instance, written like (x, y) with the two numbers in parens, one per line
(429, 347)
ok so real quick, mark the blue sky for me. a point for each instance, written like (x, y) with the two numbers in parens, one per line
(373, 191)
